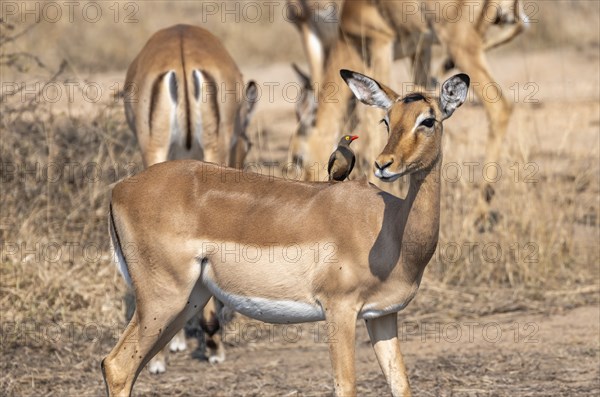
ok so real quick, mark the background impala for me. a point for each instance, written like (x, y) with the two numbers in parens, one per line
(509, 312)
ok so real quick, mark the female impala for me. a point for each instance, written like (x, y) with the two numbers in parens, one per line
(173, 227)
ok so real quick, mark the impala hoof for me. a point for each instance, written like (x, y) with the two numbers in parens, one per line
(216, 359)
(157, 367)
(177, 345)
(485, 222)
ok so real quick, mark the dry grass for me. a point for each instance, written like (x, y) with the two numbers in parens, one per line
(109, 43)
(542, 237)
(56, 172)
(562, 23)
(55, 265)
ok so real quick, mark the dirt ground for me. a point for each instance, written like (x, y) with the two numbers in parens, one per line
(523, 350)
(555, 355)
(506, 354)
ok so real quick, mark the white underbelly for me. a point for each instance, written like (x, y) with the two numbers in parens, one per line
(373, 311)
(267, 310)
(288, 311)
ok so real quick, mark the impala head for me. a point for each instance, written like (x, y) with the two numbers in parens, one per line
(414, 122)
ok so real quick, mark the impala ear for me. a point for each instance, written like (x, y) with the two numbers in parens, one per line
(250, 99)
(251, 96)
(369, 91)
(453, 94)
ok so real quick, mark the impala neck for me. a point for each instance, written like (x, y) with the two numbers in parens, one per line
(419, 218)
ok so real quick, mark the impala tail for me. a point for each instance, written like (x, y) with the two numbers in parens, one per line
(115, 241)
(184, 104)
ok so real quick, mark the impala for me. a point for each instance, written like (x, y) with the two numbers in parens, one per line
(176, 109)
(169, 224)
(318, 25)
(373, 33)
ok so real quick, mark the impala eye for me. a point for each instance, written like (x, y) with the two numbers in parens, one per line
(428, 122)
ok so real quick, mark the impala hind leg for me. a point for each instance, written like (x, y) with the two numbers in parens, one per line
(383, 332)
(158, 363)
(212, 328)
(471, 60)
(154, 323)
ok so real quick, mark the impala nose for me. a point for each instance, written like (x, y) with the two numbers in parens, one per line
(383, 162)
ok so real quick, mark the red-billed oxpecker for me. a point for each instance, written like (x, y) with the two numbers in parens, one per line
(342, 159)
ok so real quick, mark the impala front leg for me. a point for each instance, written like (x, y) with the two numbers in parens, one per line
(341, 330)
(383, 332)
